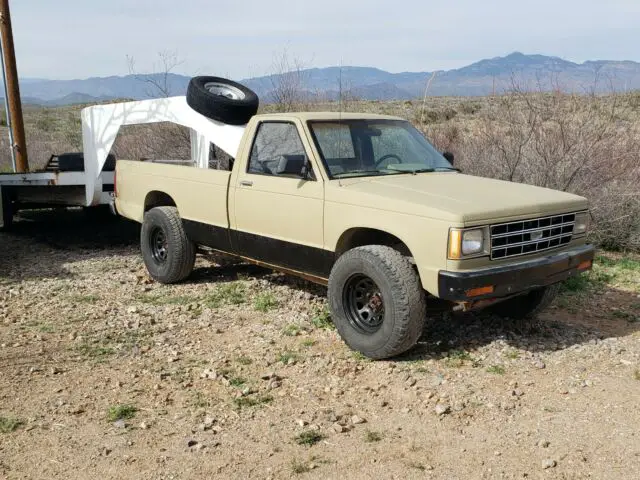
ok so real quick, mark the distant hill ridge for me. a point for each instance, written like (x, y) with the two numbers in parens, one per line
(480, 78)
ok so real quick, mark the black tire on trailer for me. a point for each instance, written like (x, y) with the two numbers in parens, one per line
(377, 302)
(222, 100)
(168, 253)
(524, 309)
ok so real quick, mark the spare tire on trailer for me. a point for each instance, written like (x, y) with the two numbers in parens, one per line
(222, 100)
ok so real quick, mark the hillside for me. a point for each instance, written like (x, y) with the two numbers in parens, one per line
(480, 78)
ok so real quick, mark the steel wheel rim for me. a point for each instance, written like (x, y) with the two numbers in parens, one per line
(364, 304)
(224, 90)
(159, 245)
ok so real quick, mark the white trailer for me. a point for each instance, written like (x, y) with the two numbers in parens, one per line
(94, 184)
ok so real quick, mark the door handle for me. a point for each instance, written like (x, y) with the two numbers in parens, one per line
(246, 183)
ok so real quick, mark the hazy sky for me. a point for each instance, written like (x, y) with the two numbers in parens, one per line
(83, 38)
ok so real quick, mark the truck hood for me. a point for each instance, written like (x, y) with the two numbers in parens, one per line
(454, 197)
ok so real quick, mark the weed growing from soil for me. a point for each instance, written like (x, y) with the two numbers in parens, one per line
(265, 302)
(322, 319)
(229, 294)
(121, 412)
(298, 467)
(308, 437)
(285, 357)
(291, 330)
(9, 424)
(242, 402)
(244, 360)
(371, 436)
(496, 369)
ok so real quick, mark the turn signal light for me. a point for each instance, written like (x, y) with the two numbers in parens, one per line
(476, 292)
(585, 265)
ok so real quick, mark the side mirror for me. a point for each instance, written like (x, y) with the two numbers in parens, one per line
(449, 157)
(306, 173)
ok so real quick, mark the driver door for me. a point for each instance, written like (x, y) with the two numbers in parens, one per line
(278, 210)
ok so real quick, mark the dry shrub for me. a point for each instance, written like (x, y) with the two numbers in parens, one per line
(583, 144)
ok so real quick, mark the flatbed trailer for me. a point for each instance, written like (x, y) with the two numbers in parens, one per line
(93, 182)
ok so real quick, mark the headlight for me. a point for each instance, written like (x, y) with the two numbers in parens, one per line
(472, 242)
(463, 243)
(582, 223)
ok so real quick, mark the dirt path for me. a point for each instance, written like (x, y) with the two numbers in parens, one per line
(224, 376)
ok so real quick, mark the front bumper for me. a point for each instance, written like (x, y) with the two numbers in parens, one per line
(515, 278)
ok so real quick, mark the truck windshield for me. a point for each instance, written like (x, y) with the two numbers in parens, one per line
(360, 148)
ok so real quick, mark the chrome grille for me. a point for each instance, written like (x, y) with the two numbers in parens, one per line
(529, 236)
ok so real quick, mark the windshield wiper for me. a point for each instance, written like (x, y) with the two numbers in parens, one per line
(361, 173)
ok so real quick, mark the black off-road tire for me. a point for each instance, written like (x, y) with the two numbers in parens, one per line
(237, 109)
(402, 294)
(180, 251)
(524, 309)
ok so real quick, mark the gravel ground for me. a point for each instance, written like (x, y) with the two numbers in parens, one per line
(238, 373)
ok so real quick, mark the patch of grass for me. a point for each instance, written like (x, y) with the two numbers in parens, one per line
(309, 342)
(496, 369)
(457, 358)
(46, 328)
(417, 466)
(284, 357)
(291, 330)
(244, 360)
(308, 437)
(359, 356)
(237, 382)
(322, 319)
(624, 315)
(265, 302)
(512, 354)
(85, 299)
(371, 436)
(574, 285)
(636, 374)
(121, 412)
(199, 400)
(249, 401)
(9, 424)
(298, 467)
(95, 350)
(234, 293)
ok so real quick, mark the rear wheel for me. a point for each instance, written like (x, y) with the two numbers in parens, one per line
(376, 301)
(168, 253)
(525, 308)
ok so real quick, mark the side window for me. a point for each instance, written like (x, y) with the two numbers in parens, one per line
(277, 150)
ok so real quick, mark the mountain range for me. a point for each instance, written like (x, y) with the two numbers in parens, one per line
(487, 76)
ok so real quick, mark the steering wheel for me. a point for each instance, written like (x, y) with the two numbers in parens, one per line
(386, 157)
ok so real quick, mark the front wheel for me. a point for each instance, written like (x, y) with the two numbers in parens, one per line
(525, 308)
(376, 301)
(168, 253)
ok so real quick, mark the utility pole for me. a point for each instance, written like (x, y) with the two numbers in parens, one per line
(12, 88)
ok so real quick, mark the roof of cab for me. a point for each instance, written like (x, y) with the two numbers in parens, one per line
(306, 116)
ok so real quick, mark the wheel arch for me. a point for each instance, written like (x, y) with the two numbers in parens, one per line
(360, 236)
(157, 198)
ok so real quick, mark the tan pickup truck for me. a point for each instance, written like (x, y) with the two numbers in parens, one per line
(366, 205)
